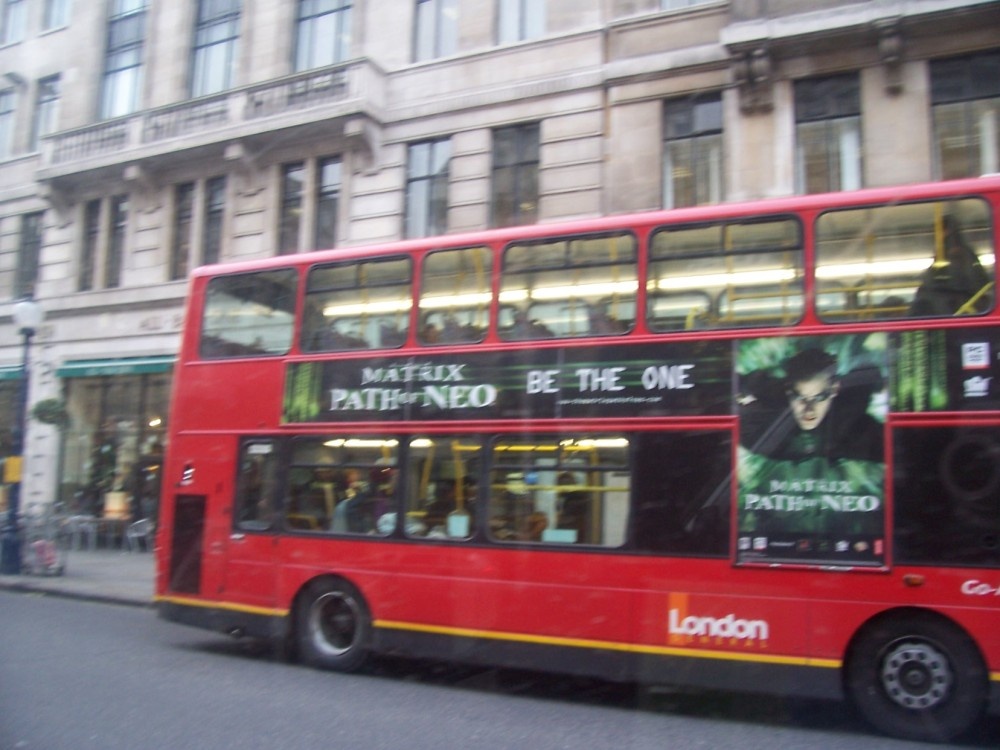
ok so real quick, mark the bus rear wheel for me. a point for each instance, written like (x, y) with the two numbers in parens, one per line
(918, 678)
(333, 626)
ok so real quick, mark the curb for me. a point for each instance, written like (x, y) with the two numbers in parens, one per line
(27, 588)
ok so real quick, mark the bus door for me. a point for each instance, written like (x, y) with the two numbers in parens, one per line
(251, 549)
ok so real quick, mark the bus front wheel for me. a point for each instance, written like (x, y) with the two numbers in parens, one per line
(333, 626)
(917, 677)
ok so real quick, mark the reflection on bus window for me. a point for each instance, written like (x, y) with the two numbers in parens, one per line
(358, 305)
(255, 486)
(455, 296)
(563, 490)
(914, 260)
(249, 314)
(342, 485)
(583, 286)
(726, 275)
(442, 493)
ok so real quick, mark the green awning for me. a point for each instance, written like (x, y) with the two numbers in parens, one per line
(11, 372)
(94, 368)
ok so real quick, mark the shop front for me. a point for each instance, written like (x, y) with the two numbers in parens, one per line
(112, 450)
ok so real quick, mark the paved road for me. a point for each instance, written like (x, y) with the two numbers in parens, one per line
(80, 675)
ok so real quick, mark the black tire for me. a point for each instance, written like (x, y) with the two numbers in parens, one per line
(917, 677)
(332, 626)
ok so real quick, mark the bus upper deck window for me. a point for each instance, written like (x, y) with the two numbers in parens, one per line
(249, 314)
(362, 304)
(455, 296)
(561, 288)
(726, 275)
(915, 260)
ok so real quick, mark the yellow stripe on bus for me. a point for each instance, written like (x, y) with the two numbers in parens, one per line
(228, 606)
(546, 640)
(608, 645)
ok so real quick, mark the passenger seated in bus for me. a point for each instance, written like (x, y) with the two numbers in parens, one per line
(956, 285)
(525, 328)
(354, 514)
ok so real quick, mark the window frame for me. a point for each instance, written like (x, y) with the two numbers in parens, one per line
(827, 112)
(309, 23)
(691, 136)
(214, 36)
(516, 159)
(426, 191)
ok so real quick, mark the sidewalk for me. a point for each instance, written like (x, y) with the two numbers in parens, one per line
(98, 575)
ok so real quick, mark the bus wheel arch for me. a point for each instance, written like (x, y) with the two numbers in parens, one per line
(332, 625)
(916, 674)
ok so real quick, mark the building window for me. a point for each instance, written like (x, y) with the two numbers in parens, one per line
(515, 175)
(436, 29)
(965, 97)
(323, 33)
(427, 170)
(215, 205)
(122, 82)
(828, 134)
(185, 251)
(692, 151)
(116, 241)
(29, 251)
(310, 204)
(12, 29)
(46, 109)
(7, 99)
(56, 13)
(327, 202)
(215, 38)
(520, 20)
(91, 240)
(292, 186)
(183, 225)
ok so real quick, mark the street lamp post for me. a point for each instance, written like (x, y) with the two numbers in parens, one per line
(28, 315)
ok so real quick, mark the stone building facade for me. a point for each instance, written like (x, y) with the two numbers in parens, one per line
(140, 138)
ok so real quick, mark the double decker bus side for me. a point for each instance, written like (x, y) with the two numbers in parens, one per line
(749, 446)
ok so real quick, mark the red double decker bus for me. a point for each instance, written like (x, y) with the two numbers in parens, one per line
(750, 446)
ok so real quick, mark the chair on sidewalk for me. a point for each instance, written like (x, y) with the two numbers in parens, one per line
(139, 535)
(82, 526)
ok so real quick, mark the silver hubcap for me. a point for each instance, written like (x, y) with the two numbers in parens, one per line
(333, 622)
(916, 675)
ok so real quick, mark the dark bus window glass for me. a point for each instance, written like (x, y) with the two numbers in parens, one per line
(915, 260)
(583, 286)
(682, 493)
(947, 496)
(249, 314)
(560, 489)
(358, 305)
(256, 486)
(726, 275)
